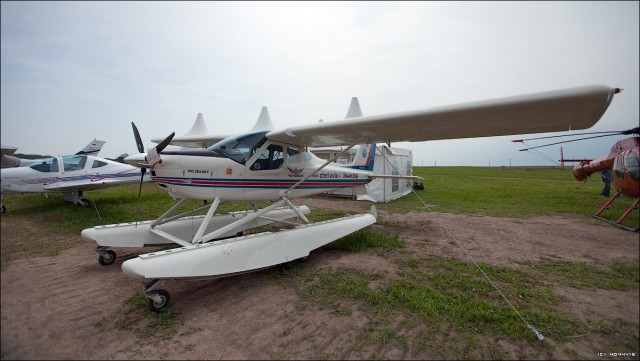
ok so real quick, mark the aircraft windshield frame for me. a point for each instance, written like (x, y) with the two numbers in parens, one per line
(240, 148)
(48, 165)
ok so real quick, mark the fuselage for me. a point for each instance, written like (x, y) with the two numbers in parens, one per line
(66, 173)
(251, 169)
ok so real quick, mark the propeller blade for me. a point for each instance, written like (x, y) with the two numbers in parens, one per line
(136, 134)
(165, 142)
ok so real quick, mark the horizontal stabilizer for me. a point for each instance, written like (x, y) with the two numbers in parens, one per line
(390, 176)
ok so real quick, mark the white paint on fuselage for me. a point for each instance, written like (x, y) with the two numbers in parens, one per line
(210, 177)
(94, 170)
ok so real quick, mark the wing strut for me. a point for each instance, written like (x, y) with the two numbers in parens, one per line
(304, 179)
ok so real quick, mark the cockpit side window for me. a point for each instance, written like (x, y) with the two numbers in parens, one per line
(240, 148)
(631, 162)
(48, 165)
(293, 154)
(617, 166)
(74, 162)
(98, 164)
(271, 158)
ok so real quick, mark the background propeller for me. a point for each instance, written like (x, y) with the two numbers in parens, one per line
(136, 134)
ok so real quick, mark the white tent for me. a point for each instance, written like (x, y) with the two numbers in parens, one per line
(388, 161)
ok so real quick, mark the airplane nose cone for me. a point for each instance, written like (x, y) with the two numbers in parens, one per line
(133, 268)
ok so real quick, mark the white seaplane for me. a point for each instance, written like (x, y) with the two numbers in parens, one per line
(274, 165)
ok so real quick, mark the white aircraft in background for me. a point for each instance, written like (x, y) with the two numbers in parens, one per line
(9, 161)
(274, 165)
(69, 175)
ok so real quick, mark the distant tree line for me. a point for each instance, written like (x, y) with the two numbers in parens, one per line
(31, 156)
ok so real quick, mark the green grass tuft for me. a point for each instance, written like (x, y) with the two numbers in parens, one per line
(363, 239)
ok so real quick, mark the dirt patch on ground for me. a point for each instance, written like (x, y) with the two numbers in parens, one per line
(69, 307)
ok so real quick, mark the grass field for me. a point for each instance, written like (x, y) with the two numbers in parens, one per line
(436, 297)
(495, 191)
(511, 192)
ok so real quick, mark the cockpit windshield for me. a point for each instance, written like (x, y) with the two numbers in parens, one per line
(240, 147)
(49, 165)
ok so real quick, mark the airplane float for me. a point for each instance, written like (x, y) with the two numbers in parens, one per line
(9, 161)
(69, 175)
(275, 165)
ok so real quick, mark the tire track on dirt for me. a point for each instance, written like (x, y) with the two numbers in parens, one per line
(81, 292)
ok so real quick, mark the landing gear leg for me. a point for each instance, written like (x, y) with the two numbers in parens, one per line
(2, 204)
(158, 299)
(75, 197)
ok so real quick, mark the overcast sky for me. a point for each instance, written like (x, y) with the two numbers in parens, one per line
(75, 71)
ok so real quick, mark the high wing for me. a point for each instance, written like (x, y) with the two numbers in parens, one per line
(559, 110)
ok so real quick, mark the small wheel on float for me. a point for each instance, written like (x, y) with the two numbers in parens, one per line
(107, 259)
(158, 306)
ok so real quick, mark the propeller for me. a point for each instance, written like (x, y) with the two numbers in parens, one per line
(165, 142)
(159, 148)
(143, 170)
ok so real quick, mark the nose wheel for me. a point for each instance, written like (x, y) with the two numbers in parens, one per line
(106, 257)
(157, 299)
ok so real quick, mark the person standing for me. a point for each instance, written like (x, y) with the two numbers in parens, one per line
(606, 179)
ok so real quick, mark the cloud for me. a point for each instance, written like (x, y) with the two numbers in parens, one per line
(77, 70)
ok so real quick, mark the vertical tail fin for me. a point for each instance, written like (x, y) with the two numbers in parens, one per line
(366, 153)
(365, 156)
(93, 148)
